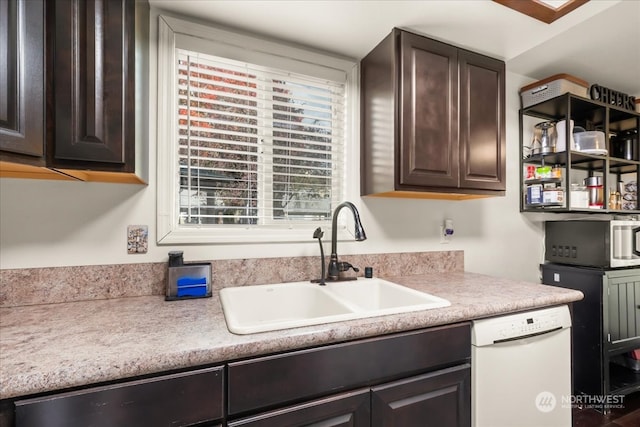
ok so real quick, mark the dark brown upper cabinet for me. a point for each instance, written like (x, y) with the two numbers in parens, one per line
(22, 102)
(89, 87)
(432, 120)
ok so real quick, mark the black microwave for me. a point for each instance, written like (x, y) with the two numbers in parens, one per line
(593, 243)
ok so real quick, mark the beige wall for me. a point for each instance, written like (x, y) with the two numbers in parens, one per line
(47, 224)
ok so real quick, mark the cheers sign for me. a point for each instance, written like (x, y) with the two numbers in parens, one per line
(613, 97)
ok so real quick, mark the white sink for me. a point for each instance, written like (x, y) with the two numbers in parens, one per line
(261, 308)
(383, 297)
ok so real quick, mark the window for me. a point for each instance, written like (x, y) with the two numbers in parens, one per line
(256, 146)
(251, 137)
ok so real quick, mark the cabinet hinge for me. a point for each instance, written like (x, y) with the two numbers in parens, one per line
(609, 337)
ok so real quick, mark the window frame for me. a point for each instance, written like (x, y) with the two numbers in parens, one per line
(174, 32)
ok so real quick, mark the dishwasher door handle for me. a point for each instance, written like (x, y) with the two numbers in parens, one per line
(521, 337)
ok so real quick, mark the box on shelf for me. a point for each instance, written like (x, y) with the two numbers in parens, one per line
(551, 87)
(638, 104)
(534, 194)
(561, 138)
(555, 196)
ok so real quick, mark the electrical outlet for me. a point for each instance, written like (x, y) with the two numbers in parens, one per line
(446, 231)
(443, 238)
(137, 239)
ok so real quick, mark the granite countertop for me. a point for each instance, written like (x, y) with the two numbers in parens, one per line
(56, 346)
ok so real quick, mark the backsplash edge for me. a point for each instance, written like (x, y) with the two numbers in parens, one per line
(49, 285)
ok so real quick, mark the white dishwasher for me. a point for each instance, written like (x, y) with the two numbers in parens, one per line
(521, 369)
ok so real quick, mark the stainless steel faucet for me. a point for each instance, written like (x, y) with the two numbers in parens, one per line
(336, 267)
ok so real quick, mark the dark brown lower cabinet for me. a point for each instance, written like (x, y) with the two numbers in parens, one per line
(173, 400)
(344, 410)
(416, 378)
(438, 399)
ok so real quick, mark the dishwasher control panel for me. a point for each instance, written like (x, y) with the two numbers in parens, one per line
(519, 325)
(529, 325)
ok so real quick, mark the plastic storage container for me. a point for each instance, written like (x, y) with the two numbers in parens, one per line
(579, 196)
(591, 142)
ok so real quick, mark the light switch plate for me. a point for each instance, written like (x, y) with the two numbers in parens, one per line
(137, 239)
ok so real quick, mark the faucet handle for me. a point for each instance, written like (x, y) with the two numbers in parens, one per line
(345, 266)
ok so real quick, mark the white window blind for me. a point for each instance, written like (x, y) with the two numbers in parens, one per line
(256, 146)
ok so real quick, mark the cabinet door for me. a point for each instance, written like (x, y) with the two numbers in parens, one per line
(93, 84)
(344, 410)
(22, 78)
(623, 310)
(482, 122)
(438, 399)
(586, 334)
(428, 148)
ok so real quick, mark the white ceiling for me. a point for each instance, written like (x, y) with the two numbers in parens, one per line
(598, 42)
